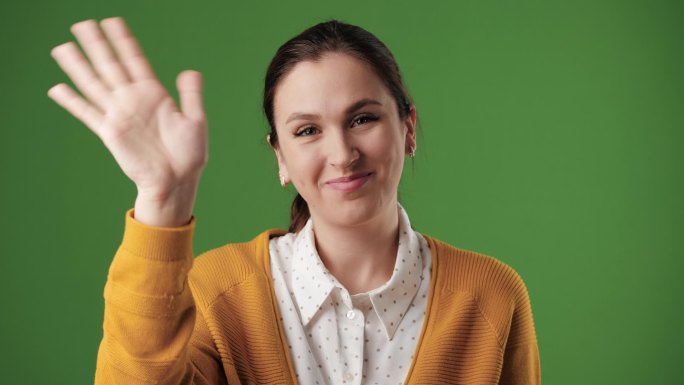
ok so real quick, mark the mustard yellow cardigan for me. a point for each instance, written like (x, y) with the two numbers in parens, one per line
(170, 319)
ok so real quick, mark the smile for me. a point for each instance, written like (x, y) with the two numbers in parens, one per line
(349, 183)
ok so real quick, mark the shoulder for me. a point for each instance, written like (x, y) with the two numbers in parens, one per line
(487, 279)
(495, 288)
(219, 269)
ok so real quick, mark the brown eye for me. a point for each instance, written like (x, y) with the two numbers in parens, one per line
(364, 119)
(306, 131)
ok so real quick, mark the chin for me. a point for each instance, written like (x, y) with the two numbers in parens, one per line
(353, 212)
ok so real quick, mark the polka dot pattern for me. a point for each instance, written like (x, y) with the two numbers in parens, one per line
(338, 338)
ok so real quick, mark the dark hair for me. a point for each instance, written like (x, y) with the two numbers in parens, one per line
(310, 45)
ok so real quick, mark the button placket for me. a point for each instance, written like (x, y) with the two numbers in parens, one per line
(352, 332)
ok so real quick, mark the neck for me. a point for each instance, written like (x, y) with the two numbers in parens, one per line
(361, 257)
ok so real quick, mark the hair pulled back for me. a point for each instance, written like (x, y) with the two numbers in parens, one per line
(311, 45)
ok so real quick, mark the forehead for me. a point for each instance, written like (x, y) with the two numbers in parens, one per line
(327, 86)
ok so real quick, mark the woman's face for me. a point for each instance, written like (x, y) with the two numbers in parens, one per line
(341, 141)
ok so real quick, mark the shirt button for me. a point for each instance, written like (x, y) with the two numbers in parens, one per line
(351, 314)
(348, 376)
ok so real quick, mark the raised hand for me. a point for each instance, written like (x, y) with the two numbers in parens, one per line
(160, 147)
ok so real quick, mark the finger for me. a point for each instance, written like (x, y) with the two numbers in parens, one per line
(71, 101)
(96, 47)
(189, 84)
(127, 49)
(79, 71)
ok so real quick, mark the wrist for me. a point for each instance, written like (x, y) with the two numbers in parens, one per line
(169, 209)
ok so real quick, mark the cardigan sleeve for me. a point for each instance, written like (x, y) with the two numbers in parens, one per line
(152, 332)
(521, 364)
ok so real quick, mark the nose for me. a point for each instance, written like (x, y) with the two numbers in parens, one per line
(342, 150)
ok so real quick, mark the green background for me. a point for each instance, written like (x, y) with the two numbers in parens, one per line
(551, 139)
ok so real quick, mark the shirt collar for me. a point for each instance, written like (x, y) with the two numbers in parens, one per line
(312, 283)
(392, 300)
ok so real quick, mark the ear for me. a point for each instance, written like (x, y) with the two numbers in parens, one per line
(410, 123)
(282, 168)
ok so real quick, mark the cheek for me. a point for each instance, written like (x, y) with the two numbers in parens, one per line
(304, 168)
(386, 147)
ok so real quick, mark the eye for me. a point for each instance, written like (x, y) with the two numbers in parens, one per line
(364, 119)
(306, 131)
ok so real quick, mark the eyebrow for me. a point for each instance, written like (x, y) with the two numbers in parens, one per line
(354, 107)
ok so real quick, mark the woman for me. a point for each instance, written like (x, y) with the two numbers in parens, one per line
(350, 294)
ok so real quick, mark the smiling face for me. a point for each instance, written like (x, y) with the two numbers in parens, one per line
(341, 141)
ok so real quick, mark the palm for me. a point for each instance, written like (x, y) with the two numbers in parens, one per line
(156, 145)
(150, 139)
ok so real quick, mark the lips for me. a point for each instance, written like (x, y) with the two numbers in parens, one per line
(349, 183)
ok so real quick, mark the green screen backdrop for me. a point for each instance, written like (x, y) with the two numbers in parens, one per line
(551, 138)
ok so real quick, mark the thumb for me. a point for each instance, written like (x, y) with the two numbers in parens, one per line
(190, 84)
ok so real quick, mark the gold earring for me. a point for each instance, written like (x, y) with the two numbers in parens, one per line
(283, 183)
(412, 151)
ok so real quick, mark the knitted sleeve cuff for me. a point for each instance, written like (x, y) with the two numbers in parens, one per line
(157, 243)
(151, 263)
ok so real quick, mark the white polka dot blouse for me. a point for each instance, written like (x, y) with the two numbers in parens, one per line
(338, 338)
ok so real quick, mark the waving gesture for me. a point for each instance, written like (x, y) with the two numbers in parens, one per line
(162, 148)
